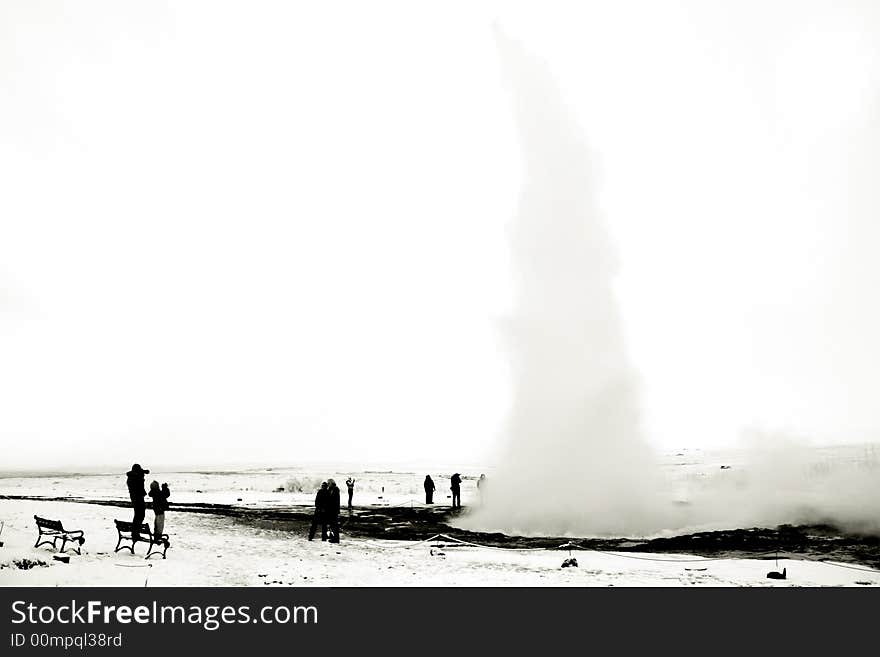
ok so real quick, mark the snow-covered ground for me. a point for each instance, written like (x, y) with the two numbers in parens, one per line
(209, 550)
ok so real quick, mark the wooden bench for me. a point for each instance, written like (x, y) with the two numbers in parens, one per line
(53, 530)
(124, 529)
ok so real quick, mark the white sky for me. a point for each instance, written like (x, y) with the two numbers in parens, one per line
(276, 231)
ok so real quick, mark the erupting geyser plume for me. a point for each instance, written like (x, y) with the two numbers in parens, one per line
(575, 460)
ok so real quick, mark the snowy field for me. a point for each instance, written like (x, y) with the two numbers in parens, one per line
(211, 551)
(219, 550)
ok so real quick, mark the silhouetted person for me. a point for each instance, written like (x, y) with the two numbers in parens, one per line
(429, 489)
(456, 490)
(320, 512)
(333, 510)
(160, 506)
(137, 493)
(350, 485)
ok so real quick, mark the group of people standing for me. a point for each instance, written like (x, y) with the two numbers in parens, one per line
(327, 502)
(455, 487)
(327, 510)
(136, 481)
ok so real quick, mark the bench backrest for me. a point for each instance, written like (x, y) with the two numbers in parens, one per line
(123, 526)
(45, 523)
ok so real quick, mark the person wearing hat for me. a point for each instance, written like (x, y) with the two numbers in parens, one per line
(455, 482)
(137, 493)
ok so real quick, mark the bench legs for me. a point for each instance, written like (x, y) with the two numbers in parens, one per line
(75, 538)
(153, 549)
(154, 543)
(64, 539)
(46, 542)
(77, 541)
(119, 545)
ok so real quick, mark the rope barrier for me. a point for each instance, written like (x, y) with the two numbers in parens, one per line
(408, 544)
(838, 565)
(492, 547)
(134, 565)
(632, 556)
(427, 540)
(698, 560)
(572, 546)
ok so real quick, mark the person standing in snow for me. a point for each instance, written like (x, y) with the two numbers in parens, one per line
(333, 510)
(349, 483)
(137, 493)
(160, 506)
(320, 512)
(456, 490)
(429, 489)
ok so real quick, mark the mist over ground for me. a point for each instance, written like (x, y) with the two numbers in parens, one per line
(781, 479)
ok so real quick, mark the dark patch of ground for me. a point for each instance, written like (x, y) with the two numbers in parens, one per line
(420, 523)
